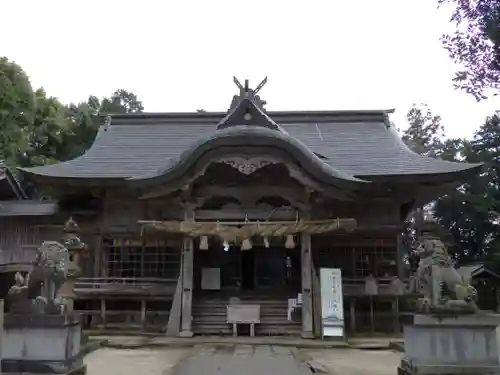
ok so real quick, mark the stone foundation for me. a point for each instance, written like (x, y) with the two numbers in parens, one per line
(449, 345)
(42, 344)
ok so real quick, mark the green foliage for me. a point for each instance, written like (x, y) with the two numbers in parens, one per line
(470, 213)
(86, 118)
(475, 45)
(36, 129)
(44, 136)
(425, 131)
(17, 110)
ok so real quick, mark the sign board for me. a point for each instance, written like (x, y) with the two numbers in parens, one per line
(332, 303)
(210, 278)
(243, 314)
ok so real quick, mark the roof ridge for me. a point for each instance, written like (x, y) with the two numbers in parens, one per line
(280, 117)
(202, 114)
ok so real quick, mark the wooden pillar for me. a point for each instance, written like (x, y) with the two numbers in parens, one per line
(1, 331)
(103, 312)
(306, 264)
(352, 312)
(400, 253)
(98, 256)
(143, 313)
(187, 287)
(395, 314)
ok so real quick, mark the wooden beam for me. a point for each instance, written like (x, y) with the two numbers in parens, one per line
(295, 195)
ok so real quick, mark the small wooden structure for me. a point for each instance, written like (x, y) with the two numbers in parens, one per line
(486, 282)
(243, 314)
(266, 197)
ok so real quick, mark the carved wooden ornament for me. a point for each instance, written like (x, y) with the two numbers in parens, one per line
(247, 165)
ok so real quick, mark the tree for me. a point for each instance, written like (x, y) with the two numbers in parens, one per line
(17, 109)
(425, 132)
(86, 118)
(424, 136)
(32, 124)
(122, 101)
(470, 213)
(475, 45)
(46, 134)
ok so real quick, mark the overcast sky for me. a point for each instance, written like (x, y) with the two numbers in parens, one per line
(181, 55)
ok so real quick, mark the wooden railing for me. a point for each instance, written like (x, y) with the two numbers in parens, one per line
(124, 319)
(356, 286)
(124, 286)
(18, 255)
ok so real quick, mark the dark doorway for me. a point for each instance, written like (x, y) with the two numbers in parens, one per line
(248, 269)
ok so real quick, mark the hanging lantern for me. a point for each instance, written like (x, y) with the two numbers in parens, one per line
(246, 244)
(203, 243)
(266, 242)
(289, 243)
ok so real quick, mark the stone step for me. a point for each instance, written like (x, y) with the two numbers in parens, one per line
(263, 320)
(224, 308)
(225, 303)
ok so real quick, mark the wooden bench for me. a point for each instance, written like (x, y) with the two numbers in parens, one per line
(243, 314)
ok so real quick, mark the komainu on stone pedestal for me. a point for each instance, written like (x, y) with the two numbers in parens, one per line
(37, 294)
(449, 335)
(460, 344)
(40, 336)
(444, 290)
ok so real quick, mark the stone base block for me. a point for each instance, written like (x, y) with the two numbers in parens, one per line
(42, 344)
(186, 334)
(449, 345)
(41, 367)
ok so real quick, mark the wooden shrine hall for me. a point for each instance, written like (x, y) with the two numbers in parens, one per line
(195, 221)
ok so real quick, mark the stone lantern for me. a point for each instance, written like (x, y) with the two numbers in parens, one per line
(76, 249)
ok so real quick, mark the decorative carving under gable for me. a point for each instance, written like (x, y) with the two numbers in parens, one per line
(247, 164)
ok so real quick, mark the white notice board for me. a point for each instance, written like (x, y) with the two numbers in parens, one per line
(332, 302)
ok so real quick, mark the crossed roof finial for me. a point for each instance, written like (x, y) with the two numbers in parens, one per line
(246, 89)
(247, 92)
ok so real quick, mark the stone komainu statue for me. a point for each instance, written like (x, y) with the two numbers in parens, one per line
(443, 288)
(38, 292)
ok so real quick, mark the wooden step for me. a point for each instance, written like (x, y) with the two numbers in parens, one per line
(209, 317)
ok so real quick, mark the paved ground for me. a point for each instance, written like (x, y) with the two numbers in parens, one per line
(107, 361)
(130, 342)
(356, 362)
(239, 359)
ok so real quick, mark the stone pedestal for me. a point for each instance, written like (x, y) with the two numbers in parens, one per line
(449, 345)
(42, 344)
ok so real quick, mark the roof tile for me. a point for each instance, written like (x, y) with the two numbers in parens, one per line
(358, 145)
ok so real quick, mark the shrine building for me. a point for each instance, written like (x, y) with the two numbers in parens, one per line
(183, 213)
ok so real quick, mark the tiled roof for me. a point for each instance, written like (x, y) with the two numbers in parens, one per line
(358, 143)
(10, 188)
(27, 208)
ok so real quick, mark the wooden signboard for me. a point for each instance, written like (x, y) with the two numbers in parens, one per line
(332, 303)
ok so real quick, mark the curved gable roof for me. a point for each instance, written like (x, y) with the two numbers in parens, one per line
(245, 136)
